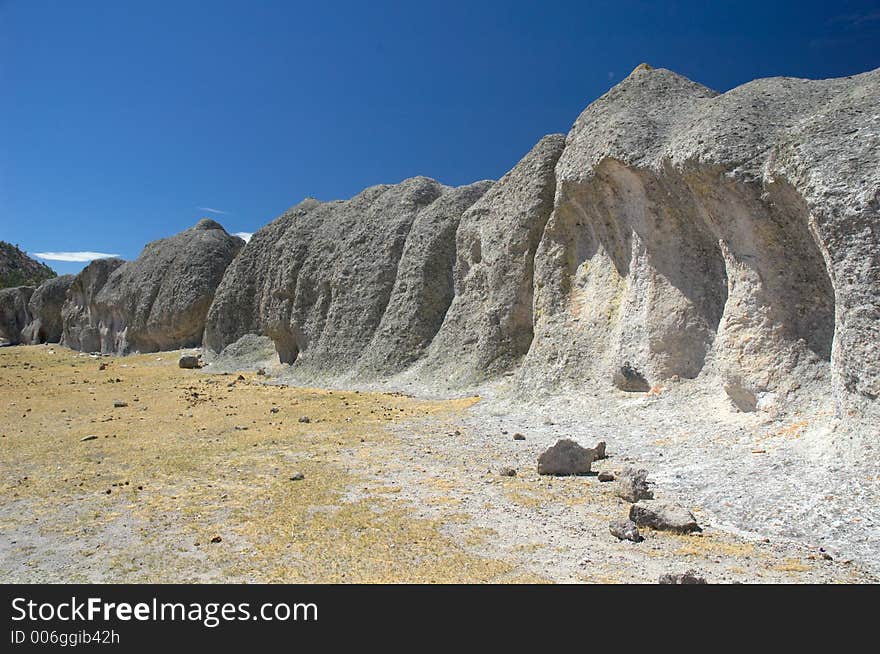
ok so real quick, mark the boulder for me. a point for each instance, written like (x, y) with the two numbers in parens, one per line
(44, 308)
(189, 361)
(160, 300)
(14, 314)
(628, 379)
(632, 485)
(663, 516)
(80, 327)
(625, 530)
(566, 457)
(689, 577)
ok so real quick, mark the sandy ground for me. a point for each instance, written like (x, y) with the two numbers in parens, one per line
(191, 482)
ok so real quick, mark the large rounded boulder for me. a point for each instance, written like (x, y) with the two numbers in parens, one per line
(160, 300)
(14, 314)
(44, 308)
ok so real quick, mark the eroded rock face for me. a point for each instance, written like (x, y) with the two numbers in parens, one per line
(354, 288)
(159, 301)
(488, 328)
(732, 236)
(80, 329)
(14, 315)
(44, 308)
(675, 233)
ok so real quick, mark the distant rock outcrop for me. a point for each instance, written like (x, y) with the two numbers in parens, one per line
(159, 301)
(44, 310)
(18, 269)
(355, 287)
(80, 329)
(14, 314)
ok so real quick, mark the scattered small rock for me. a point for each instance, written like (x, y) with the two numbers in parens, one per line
(103, 366)
(566, 457)
(518, 437)
(88, 438)
(625, 530)
(274, 409)
(507, 472)
(632, 486)
(216, 539)
(305, 419)
(663, 517)
(297, 476)
(189, 361)
(628, 379)
(261, 372)
(606, 475)
(689, 577)
(119, 404)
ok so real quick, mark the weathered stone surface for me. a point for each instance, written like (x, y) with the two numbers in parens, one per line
(14, 315)
(160, 300)
(488, 328)
(632, 485)
(79, 317)
(674, 233)
(566, 457)
(354, 288)
(663, 516)
(625, 530)
(44, 308)
(731, 236)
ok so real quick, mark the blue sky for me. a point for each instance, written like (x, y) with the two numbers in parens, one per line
(123, 122)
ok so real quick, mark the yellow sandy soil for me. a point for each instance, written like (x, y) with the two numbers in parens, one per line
(193, 457)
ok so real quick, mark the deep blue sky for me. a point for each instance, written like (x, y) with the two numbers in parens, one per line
(119, 119)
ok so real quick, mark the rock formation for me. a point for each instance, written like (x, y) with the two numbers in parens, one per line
(159, 301)
(44, 309)
(79, 316)
(733, 236)
(488, 328)
(355, 287)
(14, 314)
(674, 233)
(18, 269)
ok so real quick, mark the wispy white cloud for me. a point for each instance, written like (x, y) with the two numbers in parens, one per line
(857, 19)
(80, 257)
(244, 235)
(210, 210)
